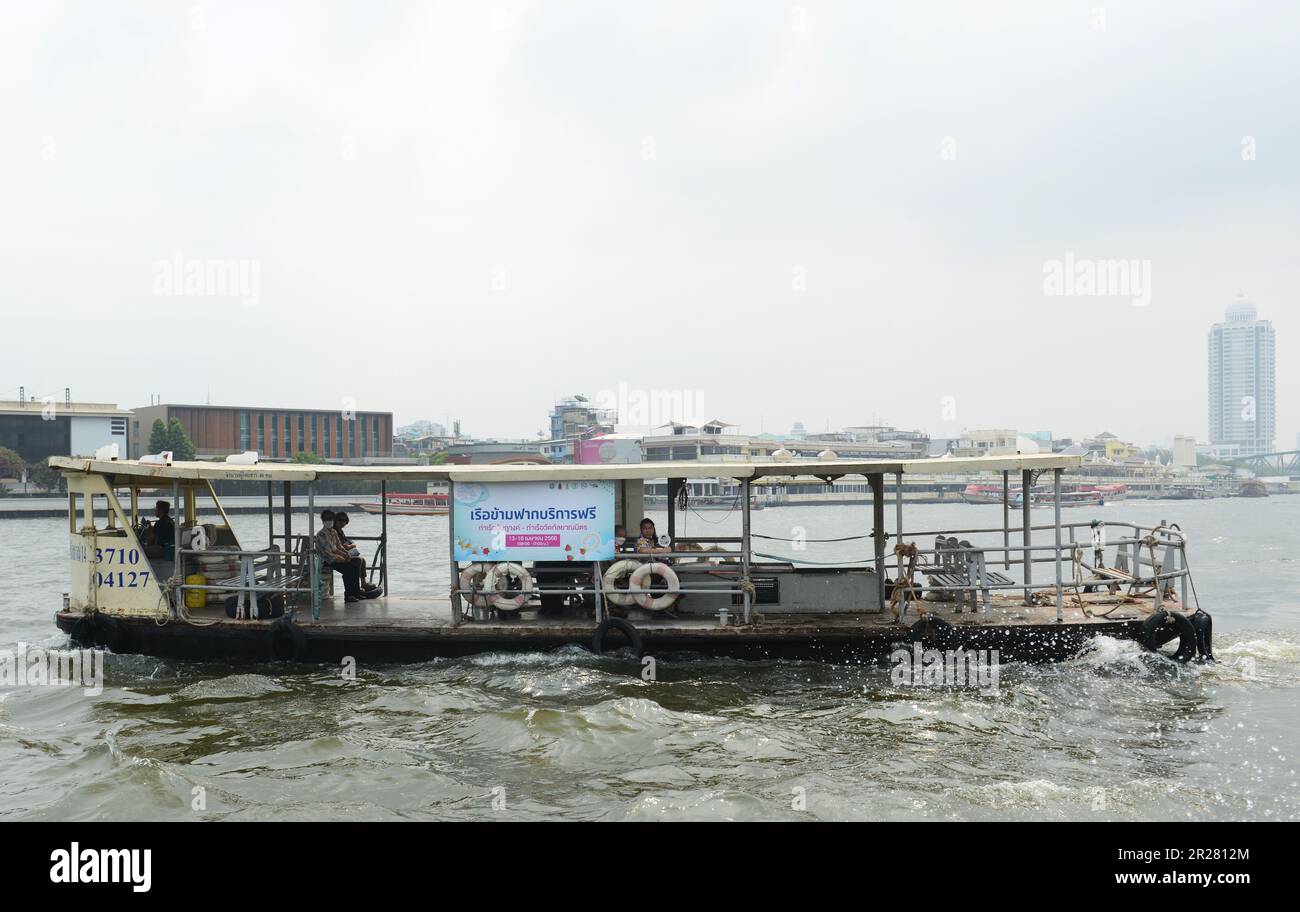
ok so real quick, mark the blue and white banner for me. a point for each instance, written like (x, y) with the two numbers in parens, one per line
(534, 520)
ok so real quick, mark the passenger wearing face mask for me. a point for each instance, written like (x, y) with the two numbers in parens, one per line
(621, 544)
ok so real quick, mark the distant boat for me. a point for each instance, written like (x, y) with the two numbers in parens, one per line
(1252, 487)
(408, 504)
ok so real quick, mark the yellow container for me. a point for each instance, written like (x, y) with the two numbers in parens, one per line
(196, 598)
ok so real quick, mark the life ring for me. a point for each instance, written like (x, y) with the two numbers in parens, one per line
(641, 577)
(612, 623)
(288, 642)
(508, 599)
(471, 578)
(1162, 627)
(933, 633)
(615, 573)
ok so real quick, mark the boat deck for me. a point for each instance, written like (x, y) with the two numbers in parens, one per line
(435, 615)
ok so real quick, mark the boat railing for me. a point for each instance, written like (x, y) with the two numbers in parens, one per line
(268, 572)
(1135, 554)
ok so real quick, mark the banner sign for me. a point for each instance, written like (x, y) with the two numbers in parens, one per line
(534, 520)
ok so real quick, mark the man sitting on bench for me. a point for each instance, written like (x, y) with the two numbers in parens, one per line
(354, 554)
(334, 556)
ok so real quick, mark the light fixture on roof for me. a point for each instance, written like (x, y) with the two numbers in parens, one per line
(163, 459)
(827, 454)
(248, 457)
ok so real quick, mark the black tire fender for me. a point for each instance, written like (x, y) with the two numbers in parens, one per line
(1203, 624)
(1163, 626)
(613, 623)
(933, 633)
(287, 641)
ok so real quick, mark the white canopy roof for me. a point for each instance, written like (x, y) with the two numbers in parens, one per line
(806, 468)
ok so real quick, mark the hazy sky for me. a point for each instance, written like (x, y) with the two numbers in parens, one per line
(827, 212)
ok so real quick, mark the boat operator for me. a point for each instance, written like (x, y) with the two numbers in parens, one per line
(159, 537)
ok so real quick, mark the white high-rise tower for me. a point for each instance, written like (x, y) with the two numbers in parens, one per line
(1243, 391)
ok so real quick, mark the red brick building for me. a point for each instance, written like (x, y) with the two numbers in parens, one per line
(275, 433)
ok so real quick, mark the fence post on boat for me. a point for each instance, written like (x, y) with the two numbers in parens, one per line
(1056, 503)
(744, 557)
(451, 550)
(1027, 534)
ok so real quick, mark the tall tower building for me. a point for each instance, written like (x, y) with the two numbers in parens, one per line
(1243, 391)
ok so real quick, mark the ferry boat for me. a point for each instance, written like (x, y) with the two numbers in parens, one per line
(534, 564)
(407, 505)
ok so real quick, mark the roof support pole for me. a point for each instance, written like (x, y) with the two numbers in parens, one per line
(270, 513)
(178, 559)
(744, 548)
(878, 534)
(451, 551)
(898, 520)
(285, 560)
(675, 486)
(383, 535)
(1006, 520)
(313, 560)
(1056, 503)
(1027, 535)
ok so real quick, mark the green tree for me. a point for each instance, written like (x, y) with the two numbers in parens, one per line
(306, 457)
(45, 478)
(157, 436)
(11, 464)
(438, 458)
(179, 442)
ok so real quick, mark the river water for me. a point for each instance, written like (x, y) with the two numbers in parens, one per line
(1114, 734)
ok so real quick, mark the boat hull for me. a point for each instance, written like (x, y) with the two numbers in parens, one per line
(252, 641)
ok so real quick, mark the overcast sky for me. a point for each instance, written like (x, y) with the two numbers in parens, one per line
(837, 213)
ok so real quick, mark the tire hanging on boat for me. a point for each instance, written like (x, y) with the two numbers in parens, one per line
(288, 642)
(1203, 624)
(1164, 626)
(933, 633)
(99, 630)
(612, 623)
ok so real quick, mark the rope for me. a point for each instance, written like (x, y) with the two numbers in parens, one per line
(813, 540)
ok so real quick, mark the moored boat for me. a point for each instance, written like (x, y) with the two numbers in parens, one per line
(407, 505)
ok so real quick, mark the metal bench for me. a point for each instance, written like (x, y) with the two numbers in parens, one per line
(960, 573)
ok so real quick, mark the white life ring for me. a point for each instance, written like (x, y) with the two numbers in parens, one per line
(508, 599)
(472, 577)
(640, 578)
(616, 572)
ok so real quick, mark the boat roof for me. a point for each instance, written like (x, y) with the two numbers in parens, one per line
(825, 469)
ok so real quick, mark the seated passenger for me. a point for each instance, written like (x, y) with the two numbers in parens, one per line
(335, 557)
(648, 543)
(159, 538)
(621, 544)
(353, 554)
